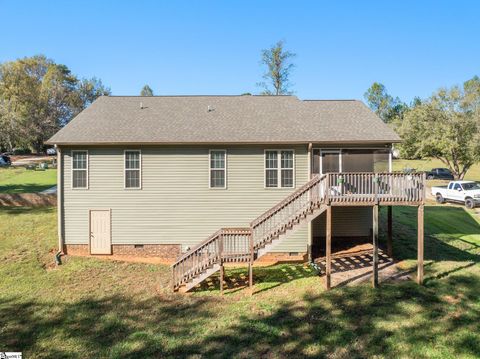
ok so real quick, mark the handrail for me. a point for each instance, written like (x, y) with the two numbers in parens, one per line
(315, 179)
(284, 213)
(239, 244)
(225, 245)
(354, 187)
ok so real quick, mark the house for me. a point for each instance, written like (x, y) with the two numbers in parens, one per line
(204, 180)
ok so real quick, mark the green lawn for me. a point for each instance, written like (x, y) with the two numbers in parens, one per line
(20, 180)
(428, 164)
(93, 308)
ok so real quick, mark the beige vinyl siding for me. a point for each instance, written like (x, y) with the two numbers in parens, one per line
(175, 204)
(346, 222)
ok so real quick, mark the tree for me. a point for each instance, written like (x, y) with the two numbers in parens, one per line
(89, 90)
(446, 127)
(384, 105)
(279, 68)
(37, 97)
(146, 91)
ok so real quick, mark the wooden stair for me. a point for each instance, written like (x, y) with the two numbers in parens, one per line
(244, 245)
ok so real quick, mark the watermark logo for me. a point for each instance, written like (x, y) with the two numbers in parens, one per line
(10, 355)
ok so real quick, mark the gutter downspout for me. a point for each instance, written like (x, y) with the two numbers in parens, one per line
(310, 231)
(59, 201)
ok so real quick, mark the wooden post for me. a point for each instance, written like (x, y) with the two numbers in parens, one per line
(250, 277)
(420, 244)
(222, 276)
(375, 247)
(328, 251)
(250, 264)
(390, 232)
(310, 242)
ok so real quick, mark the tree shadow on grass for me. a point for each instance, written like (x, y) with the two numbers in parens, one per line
(10, 210)
(24, 188)
(267, 277)
(358, 322)
(354, 322)
(444, 229)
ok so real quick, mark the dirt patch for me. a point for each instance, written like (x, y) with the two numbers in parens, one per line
(353, 266)
(28, 199)
(126, 258)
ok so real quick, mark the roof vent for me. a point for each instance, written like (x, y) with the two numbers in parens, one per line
(210, 108)
(141, 105)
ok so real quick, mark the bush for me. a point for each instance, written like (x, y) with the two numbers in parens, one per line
(22, 151)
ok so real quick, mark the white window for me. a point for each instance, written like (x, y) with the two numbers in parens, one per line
(80, 169)
(218, 169)
(133, 169)
(279, 169)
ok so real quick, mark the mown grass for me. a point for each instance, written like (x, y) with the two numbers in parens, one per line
(427, 164)
(21, 180)
(95, 308)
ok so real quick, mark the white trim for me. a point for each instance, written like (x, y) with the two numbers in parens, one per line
(338, 151)
(125, 169)
(341, 151)
(390, 161)
(71, 170)
(279, 167)
(60, 186)
(210, 168)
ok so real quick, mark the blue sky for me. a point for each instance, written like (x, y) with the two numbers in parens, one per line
(213, 47)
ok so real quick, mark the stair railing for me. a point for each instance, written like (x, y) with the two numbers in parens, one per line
(225, 245)
(279, 217)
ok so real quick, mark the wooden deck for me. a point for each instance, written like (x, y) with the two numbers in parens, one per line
(244, 245)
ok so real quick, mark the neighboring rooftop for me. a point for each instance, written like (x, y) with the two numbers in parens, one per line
(223, 119)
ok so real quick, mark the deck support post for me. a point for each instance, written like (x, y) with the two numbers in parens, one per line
(390, 231)
(250, 277)
(222, 277)
(310, 232)
(250, 264)
(420, 244)
(375, 247)
(310, 242)
(328, 249)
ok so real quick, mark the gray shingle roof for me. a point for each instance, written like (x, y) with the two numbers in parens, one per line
(223, 119)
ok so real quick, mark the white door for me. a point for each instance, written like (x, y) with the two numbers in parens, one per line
(100, 236)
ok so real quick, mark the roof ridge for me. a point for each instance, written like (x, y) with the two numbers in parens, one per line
(201, 96)
(325, 100)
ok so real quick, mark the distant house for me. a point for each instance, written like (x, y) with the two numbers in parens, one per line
(204, 180)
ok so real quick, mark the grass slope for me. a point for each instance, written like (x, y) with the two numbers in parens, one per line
(20, 180)
(93, 308)
(427, 164)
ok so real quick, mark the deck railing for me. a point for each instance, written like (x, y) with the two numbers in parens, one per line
(239, 244)
(376, 187)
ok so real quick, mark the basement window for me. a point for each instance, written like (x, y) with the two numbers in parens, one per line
(133, 169)
(80, 169)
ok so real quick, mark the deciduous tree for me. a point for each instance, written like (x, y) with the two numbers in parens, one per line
(384, 105)
(279, 68)
(37, 97)
(447, 127)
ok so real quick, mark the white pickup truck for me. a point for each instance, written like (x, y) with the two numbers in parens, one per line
(467, 192)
